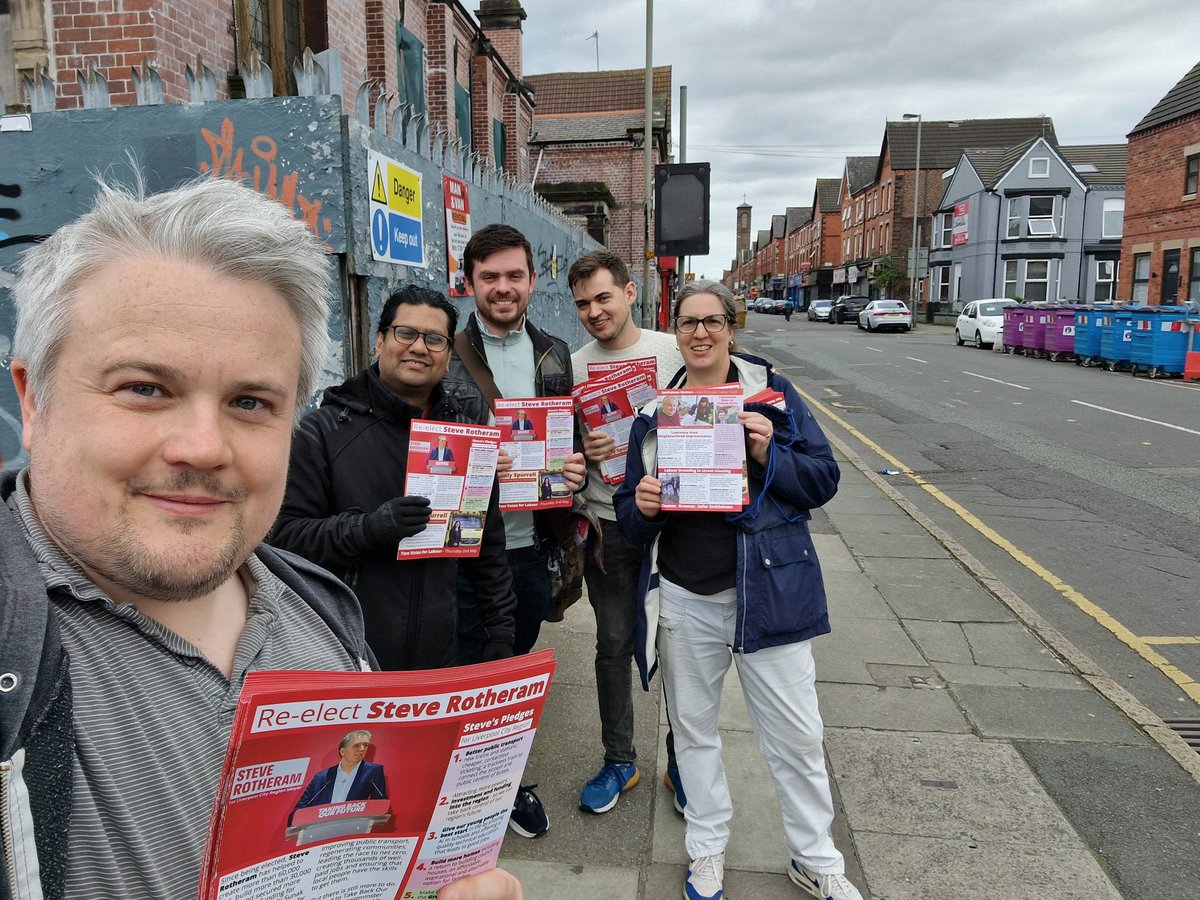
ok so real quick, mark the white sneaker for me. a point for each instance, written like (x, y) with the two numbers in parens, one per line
(826, 887)
(706, 878)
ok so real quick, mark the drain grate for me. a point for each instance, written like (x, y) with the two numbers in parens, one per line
(1188, 729)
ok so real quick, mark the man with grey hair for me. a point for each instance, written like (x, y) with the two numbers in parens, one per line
(164, 347)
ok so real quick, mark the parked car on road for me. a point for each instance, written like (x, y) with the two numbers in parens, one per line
(779, 307)
(980, 321)
(880, 314)
(818, 310)
(846, 308)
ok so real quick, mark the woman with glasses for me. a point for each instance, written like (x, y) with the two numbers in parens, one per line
(743, 587)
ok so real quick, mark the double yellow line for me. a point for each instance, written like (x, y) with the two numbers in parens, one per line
(1140, 645)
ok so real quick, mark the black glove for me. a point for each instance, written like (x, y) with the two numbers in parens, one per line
(494, 650)
(396, 520)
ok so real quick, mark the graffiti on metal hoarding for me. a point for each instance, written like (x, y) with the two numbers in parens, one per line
(264, 174)
(547, 262)
(12, 214)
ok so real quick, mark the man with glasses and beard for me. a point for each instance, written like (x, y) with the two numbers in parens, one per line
(346, 509)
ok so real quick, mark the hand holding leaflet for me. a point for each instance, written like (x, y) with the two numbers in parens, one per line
(397, 519)
(703, 437)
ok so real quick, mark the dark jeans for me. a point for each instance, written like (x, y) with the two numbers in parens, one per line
(614, 598)
(531, 584)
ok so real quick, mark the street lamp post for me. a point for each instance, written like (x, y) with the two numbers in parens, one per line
(916, 242)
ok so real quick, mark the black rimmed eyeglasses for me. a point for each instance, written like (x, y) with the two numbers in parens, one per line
(712, 324)
(435, 342)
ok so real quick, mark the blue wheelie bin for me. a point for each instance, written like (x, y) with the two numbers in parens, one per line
(1116, 340)
(1160, 341)
(1088, 328)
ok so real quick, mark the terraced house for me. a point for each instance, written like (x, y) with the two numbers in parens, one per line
(1035, 221)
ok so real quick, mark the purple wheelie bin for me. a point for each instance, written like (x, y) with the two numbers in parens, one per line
(1014, 325)
(1035, 330)
(1060, 333)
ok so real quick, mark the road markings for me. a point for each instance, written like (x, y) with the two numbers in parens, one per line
(1117, 412)
(1139, 645)
(914, 359)
(874, 349)
(1182, 639)
(997, 380)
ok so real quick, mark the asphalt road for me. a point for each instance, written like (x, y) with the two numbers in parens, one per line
(1078, 488)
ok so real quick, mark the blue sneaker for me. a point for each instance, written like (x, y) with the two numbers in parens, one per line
(601, 793)
(705, 878)
(671, 780)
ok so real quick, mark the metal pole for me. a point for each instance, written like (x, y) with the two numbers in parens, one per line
(681, 270)
(648, 311)
(914, 269)
(916, 232)
(683, 123)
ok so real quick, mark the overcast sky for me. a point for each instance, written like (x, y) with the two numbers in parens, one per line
(781, 91)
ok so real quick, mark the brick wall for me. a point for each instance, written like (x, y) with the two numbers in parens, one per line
(119, 36)
(439, 80)
(379, 40)
(347, 21)
(508, 43)
(481, 112)
(617, 164)
(1156, 210)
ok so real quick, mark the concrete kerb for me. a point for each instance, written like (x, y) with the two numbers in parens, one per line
(1088, 669)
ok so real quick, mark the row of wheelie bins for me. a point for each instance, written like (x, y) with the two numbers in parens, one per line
(1139, 339)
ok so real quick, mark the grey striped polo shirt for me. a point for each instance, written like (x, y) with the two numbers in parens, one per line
(152, 719)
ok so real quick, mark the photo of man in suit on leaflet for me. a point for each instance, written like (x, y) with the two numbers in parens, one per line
(352, 778)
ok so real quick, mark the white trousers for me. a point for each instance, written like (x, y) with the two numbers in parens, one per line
(695, 637)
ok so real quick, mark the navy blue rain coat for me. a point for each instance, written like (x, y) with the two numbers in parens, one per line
(780, 591)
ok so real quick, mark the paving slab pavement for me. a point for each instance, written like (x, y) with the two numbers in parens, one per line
(955, 736)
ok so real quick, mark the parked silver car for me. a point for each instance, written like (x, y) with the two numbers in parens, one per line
(818, 310)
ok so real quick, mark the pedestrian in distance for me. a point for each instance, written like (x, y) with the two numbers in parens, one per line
(743, 587)
(165, 347)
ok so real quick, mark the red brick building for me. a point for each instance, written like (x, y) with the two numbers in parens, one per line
(433, 55)
(586, 147)
(1160, 248)
(820, 241)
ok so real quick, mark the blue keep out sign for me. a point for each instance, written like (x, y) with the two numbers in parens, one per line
(404, 236)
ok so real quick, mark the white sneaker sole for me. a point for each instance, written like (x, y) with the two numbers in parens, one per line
(804, 884)
(523, 832)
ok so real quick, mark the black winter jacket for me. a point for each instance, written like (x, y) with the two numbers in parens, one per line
(350, 456)
(37, 732)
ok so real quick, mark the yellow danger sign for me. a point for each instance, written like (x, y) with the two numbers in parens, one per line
(378, 187)
(404, 190)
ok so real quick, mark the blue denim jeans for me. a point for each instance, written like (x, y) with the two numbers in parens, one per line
(614, 599)
(531, 584)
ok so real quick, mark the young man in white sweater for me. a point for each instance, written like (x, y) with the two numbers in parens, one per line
(604, 298)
